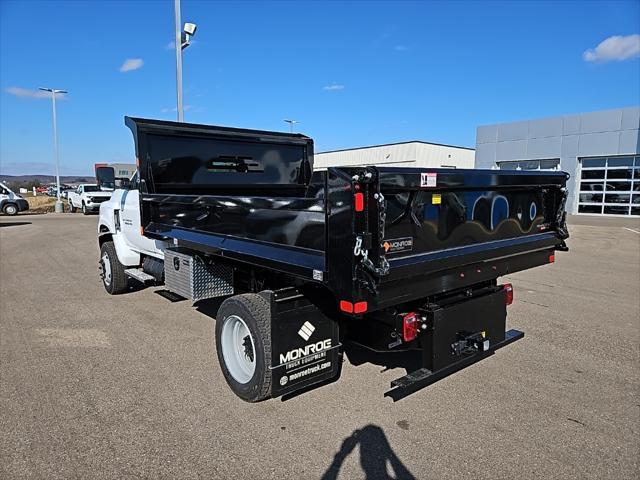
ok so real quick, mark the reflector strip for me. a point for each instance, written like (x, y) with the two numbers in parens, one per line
(508, 293)
(359, 201)
(552, 258)
(360, 307)
(346, 306)
(409, 327)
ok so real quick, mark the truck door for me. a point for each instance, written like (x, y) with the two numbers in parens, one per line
(4, 195)
(130, 222)
(77, 198)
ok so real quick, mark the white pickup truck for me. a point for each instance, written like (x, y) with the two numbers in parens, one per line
(87, 197)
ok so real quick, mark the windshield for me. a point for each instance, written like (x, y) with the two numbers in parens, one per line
(91, 188)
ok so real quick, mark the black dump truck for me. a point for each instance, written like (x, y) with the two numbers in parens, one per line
(390, 258)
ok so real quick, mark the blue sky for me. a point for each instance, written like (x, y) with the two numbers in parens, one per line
(353, 74)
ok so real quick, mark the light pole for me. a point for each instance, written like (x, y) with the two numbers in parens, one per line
(182, 42)
(291, 124)
(55, 92)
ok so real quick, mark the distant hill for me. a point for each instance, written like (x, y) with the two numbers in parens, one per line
(44, 179)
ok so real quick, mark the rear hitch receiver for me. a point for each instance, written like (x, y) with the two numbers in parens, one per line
(468, 344)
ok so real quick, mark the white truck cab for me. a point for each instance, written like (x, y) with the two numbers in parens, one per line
(124, 250)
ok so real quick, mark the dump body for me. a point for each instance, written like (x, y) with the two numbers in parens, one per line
(379, 235)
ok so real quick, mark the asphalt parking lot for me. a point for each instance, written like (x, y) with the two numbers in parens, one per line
(94, 386)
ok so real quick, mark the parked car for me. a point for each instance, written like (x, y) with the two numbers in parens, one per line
(87, 197)
(11, 203)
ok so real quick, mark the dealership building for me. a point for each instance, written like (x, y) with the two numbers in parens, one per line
(600, 150)
(403, 154)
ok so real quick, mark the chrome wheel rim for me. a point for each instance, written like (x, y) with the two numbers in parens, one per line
(238, 349)
(11, 210)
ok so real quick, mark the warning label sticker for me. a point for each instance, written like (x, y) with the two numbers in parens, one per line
(428, 179)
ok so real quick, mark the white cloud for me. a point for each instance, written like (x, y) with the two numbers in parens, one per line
(131, 64)
(31, 93)
(333, 87)
(615, 48)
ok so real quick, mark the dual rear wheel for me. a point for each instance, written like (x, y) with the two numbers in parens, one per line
(243, 343)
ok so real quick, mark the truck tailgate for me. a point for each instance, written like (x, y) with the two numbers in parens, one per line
(448, 214)
(426, 231)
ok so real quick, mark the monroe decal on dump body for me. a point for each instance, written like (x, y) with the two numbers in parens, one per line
(395, 245)
(297, 353)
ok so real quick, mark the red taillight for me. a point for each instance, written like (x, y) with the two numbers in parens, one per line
(508, 293)
(552, 258)
(346, 306)
(358, 199)
(360, 307)
(409, 327)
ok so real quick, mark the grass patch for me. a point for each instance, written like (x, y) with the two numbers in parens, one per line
(43, 204)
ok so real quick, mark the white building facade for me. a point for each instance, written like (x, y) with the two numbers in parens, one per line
(405, 154)
(600, 150)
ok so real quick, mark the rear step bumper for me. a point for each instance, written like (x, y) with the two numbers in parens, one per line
(423, 377)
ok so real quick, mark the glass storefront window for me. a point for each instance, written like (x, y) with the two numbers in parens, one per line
(591, 187)
(591, 174)
(594, 163)
(616, 209)
(620, 173)
(620, 162)
(589, 208)
(591, 197)
(608, 185)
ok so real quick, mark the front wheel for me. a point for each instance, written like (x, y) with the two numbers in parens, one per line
(11, 209)
(85, 211)
(112, 271)
(243, 343)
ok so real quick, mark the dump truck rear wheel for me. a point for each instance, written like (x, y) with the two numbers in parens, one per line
(243, 343)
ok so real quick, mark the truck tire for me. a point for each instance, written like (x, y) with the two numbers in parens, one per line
(72, 209)
(84, 209)
(113, 277)
(243, 343)
(11, 209)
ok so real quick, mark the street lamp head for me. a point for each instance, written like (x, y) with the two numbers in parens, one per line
(188, 31)
(52, 90)
(190, 28)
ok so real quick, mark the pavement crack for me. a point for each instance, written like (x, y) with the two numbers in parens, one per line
(576, 421)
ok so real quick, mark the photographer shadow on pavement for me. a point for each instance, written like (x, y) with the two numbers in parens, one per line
(376, 456)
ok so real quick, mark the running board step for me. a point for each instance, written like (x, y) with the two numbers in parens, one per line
(139, 275)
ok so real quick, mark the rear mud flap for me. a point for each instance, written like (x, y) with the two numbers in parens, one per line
(305, 343)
